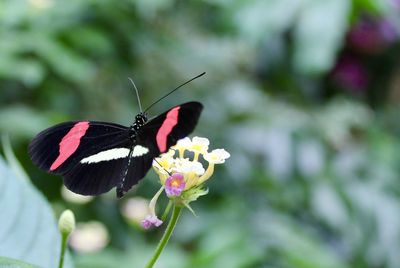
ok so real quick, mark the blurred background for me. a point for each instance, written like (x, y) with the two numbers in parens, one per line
(304, 94)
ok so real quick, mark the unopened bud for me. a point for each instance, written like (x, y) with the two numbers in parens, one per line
(66, 223)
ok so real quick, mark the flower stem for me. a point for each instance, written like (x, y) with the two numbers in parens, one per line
(164, 216)
(167, 234)
(63, 247)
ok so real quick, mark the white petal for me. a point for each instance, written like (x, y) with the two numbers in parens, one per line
(217, 156)
(185, 166)
(199, 145)
(201, 141)
(184, 143)
(198, 168)
(222, 153)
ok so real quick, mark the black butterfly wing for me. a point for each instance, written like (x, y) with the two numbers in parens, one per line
(158, 135)
(166, 129)
(89, 155)
(137, 168)
(94, 157)
(95, 178)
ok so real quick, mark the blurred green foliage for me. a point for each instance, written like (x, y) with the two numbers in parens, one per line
(28, 232)
(304, 94)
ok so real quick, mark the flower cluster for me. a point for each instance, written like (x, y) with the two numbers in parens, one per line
(182, 175)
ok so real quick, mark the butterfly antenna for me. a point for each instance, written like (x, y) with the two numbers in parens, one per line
(175, 89)
(137, 93)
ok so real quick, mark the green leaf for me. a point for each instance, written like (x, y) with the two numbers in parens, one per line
(319, 34)
(11, 263)
(300, 247)
(22, 121)
(30, 72)
(28, 228)
(258, 20)
(13, 163)
(362, 7)
(65, 61)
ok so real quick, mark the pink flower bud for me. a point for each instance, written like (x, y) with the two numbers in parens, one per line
(151, 220)
(174, 185)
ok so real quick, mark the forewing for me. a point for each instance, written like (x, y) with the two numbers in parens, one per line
(158, 135)
(166, 129)
(88, 154)
(61, 147)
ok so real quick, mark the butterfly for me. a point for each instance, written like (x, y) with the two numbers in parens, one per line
(94, 157)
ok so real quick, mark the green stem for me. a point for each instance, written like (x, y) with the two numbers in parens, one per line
(63, 247)
(167, 234)
(164, 216)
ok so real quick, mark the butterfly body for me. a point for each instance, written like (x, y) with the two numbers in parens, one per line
(93, 157)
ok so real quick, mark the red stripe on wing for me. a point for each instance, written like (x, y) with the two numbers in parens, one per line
(70, 143)
(170, 121)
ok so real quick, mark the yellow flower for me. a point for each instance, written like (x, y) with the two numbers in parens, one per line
(191, 170)
(199, 145)
(182, 145)
(163, 165)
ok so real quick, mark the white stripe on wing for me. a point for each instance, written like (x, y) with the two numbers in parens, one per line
(115, 153)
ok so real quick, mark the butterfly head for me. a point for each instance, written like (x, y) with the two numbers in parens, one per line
(141, 119)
